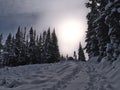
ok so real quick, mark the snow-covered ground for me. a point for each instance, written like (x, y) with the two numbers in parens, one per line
(67, 75)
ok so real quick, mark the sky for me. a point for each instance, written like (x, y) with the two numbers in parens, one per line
(68, 17)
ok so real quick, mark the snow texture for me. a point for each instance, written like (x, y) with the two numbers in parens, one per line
(67, 75)
(118, 10)
(108, 5)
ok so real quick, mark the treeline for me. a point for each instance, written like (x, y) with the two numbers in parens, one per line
(80, 56)
(103, 35)
(24, 48)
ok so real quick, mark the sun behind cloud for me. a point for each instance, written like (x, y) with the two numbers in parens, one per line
(71, 31)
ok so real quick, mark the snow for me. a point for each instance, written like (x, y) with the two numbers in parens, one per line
(67, 75)
(108, 5)
(113, 10)
(118, 10)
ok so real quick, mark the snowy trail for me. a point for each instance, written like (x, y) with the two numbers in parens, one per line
(42, 77)
(60, 76)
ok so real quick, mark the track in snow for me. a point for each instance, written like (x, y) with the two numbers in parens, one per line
(60, 76)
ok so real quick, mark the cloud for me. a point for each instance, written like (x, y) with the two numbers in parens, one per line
(16, 11)
(28, 6)
(10, 23)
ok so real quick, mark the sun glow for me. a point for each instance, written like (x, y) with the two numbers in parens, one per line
(71, 32)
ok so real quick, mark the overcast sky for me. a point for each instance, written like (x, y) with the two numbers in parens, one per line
(40, 14)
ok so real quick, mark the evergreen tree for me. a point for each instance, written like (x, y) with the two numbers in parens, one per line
(8, 43)
(19, 47)
(40, 49)
(32, 37)
(55, 48)
(32, 47)
(92, 43)
(43, 49)
(112, 18)
(103, 20)
(48, 47)
(81, 55)
(101, 28)
(8, 49)
(27, 49)
(24, 49)
(75, 56)
(1, 46)
(12, 57)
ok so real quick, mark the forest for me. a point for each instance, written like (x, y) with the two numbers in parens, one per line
(102, 39)
(103, 34)
(23, 49)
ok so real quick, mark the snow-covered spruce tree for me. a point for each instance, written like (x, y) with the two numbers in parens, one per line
(112, 19)
(19, 48)
(8, 43)
(92, 43)
(32, 47)
(48, 47)
(1, 47)
(25, 47)
(13, 56)
(37, 49)
(55, 48)
(81, 55)
(40, 49)
(8, 49)
(43, 47)
(101, 28)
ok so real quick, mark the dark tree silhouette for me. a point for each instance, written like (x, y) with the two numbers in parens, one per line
(92, 43)
(81, 55)
(55, 48)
